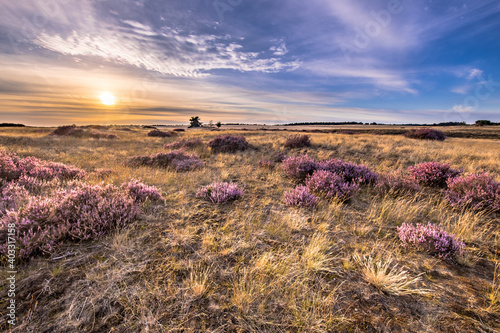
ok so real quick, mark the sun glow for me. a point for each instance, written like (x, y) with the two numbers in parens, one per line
(107, 98)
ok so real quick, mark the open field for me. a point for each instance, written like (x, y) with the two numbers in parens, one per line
(255, 264)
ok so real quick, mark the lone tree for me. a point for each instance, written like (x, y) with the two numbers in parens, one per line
(218, 124)
(194, 122)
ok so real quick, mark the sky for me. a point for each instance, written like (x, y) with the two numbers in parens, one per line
(258, 61)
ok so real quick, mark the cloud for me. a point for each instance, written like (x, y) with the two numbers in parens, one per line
(168, 52)
(475, 73)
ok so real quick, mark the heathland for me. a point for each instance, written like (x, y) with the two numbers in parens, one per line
(346, 231)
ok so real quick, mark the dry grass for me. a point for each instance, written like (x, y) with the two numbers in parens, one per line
(256, 265)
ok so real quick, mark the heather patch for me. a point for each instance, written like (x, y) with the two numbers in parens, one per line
(425, 134)
(77, 132)
(432, 174)
(330, 185)
(220, 192)
(228, 144)
(431, 238)
(300, 197)
(396, 184)
(141, 192)
(160, 134)
(478, 191)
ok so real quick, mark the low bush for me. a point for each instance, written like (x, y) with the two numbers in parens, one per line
(349, 171)
(175, 159)
(430, 238)
(478, 191)
(160, 134)
(425, 134)
(300, 197)
(92, 211)
(77, 132)
(330, 185)
(184, 143)
(396, 184)
(302, 166)
(298, 141)
(432, 174)
(219, 192)
(299, 167)
(141, 192)
(12, 167)
(228, 144)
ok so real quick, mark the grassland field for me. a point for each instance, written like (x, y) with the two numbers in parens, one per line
(256, 265)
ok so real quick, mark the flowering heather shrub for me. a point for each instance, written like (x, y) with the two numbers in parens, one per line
(350, 171)
(219, 192)
(298, 141)
(228, 144)
(159, 134)
(141, 192)
(299, 167)
(425, 134)
(300, 197)
(8, 169)
(184, 143)
(433, 174)
(34, 167)
(430, 238)
(176, 159)
(396, 183)
(12, 196)
(92, 211)
(31, 238)
(477, 191)
(331, 185)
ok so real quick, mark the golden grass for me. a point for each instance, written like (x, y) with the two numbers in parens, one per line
(256, 265)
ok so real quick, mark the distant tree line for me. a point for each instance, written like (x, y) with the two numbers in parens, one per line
(11, 125)
(485, 123)
(324, 123)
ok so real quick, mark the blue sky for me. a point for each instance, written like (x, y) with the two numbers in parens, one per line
(256, 61)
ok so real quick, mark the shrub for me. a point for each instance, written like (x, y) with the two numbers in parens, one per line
(433, 174)
(349, 171)
(12, 196)
(228, 144)
(331, 185)
(425, 134)
(430, 238)
(8, 169)
(179, 130)
(396, 184)
(298, 141)
(184, 143)
(81, 133)
(141, 192)
(12, 167)
(299, 167)
(477, 191)
(300, 197)
(159, 134)
(219, 192)
(93, 210)
(34, 167)
(176, 159)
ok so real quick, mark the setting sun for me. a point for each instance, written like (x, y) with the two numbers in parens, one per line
(107, 98)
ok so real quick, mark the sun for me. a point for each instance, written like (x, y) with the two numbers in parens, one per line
(107, 98)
